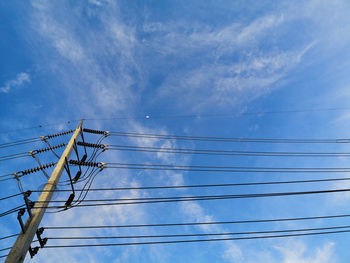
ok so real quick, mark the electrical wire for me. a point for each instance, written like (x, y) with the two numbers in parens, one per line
(10, 196)
(149, 200)
(29, 153)
(198, 234)
(7, 179)
(40, 126)
(222, 152)
(202, 168)
(19, 142)
(224, 115)
(13, 210)
(32, 140)
(203, 223)
(13, 156)
(4, 249)
(211, 196)
(185, 186)
(197, 240)
(225, 139)
(202, 185)
(14, 235)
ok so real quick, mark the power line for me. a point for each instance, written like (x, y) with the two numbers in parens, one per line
(6, 177)
(32, 153)
(196, 240)
(13, 210)
(40, 126)
(227, 115)
(230, 115)
(14, 156)
(198, 234)
(4, 249)
(19, 142)
(202, 185)
(203, 223)
(32, 140)
(10, 196)
(242, 169)
(223, 139)
(213, 196)
(153, 200)
(5, 237)
(221, 152)
(189, 186)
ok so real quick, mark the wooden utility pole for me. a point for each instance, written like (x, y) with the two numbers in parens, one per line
(24, 240)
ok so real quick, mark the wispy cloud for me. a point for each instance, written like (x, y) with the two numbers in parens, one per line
(233, 66)
(20, 80)
(297, 252)
(101, 62)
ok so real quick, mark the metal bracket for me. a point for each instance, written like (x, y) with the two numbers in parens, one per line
(42, 241)
(29, 203)
(33, 251)
(19, 218)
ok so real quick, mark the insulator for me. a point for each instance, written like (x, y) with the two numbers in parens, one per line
(44, 241)
(95, 131)
(77, 176)
(58, 134)
(70, 200)
(49, 148)
(92, 145)
(91, 164)
(27, 193)
(32, 170)
(31, 204)
(21, 212)
(40, 231)
(84, 158)
(33, 251)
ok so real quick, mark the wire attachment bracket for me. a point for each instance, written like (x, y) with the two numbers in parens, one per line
(42, 241)
(19, 218)
(33, 251)
(29, 203)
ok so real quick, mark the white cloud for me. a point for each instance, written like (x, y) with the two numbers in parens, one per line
(232, 67)
(96, 65)
(297, 252)
(230, 85)
(20, 79)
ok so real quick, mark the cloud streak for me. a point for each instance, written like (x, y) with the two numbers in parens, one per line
(20, 80)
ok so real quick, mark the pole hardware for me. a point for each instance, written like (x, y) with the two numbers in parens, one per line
(29, 204)
(33, 251)
(19, 218)
(42, 241)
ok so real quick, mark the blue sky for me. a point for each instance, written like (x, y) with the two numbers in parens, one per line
(67, 60)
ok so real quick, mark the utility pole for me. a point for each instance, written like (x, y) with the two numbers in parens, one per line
(24, 240)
